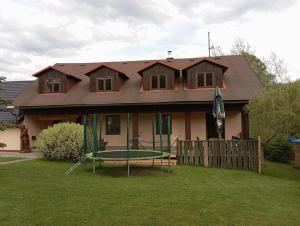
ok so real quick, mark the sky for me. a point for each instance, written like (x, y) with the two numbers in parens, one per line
(38, 33)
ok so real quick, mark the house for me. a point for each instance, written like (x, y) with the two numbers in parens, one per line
(11, 115)
(181, 88)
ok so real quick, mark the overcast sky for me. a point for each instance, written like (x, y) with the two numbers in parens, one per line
(35, 34)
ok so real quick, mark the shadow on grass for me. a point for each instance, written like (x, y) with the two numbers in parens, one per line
(282, 171)
(121, 170)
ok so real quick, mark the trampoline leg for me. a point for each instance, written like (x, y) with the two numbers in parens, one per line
(152, 162)
(169, 165)
(161, 167)
(128, 168)
(94, 166)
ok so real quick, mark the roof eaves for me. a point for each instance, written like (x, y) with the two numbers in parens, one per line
(140, 72)
(109, 67)
(225, 67)
(56, 69)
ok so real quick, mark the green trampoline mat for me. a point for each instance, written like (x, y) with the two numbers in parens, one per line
(127, 155)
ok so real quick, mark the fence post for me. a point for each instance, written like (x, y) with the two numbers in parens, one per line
(259, 153)
(205, 153)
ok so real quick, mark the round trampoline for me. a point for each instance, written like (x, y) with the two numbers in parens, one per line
(116, 155)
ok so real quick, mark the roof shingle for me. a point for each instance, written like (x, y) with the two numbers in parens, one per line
(241, 83)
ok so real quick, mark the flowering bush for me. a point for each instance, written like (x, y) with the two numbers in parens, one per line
(62, 141)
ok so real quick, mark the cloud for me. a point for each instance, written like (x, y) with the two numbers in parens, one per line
(220, 11)
(35, 34)
(38, 39)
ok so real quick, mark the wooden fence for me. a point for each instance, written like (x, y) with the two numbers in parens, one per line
(232, 154)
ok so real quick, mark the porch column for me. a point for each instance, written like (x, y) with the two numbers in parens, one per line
(135, 131)
(245, 125)
(188, 126)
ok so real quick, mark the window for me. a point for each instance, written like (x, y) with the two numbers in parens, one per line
(52, 86)
(164, 124)
(158, 81)
(200, 80)
(113, 124)
(154, 82)
(104, 84)
(205, 79)
(209, 79)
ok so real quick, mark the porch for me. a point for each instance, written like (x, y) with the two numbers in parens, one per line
(185, 125)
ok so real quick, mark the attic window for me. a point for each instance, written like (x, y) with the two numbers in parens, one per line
(158, 81)
(104, 84)
(52, 86)
(205, 79)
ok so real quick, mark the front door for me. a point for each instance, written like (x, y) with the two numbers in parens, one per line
(211, 130)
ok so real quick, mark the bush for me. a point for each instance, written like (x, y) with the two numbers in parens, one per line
(279, 151)
(62, 141)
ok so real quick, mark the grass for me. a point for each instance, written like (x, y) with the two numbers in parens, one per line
(38, 193)
(7, 159)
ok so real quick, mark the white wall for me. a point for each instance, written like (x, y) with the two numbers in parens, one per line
(11, 137)
(233, 124)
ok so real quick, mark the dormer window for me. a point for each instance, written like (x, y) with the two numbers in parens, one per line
(104, 84)
(205, 73)
(106, 79)
(52, 85)
(158, 81)
(205, 79)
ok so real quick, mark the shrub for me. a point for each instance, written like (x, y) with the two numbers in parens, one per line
(279, 151)
(62, 141)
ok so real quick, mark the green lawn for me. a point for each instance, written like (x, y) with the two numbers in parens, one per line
(7, 159)
(37, 193)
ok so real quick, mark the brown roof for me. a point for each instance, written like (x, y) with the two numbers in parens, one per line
(241, 84)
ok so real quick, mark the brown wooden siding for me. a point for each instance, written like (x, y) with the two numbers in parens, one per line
(204, 67)
(105, 73)
(158, 70)
(54, 75)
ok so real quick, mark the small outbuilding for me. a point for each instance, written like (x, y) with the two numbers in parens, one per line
(296, 143)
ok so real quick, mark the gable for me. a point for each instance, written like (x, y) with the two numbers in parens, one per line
(190, 73)
(158, 67)
(103, 72)
(53, 71)
(104, 69)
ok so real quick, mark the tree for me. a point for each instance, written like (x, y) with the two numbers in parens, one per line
(240, 47)
(275, 113)
(3, 103)
(217, 51)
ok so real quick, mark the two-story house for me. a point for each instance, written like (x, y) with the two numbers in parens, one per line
(181, 88)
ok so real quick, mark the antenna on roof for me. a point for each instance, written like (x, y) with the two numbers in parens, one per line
(210, 47)
(169, 55)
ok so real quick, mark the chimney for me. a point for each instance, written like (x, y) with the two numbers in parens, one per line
(170, 55)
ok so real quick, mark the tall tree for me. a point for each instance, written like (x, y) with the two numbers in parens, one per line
(241, 47)
(275, 113)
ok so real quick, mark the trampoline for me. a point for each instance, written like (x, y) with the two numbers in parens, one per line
(93, 144)
(119, 155)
